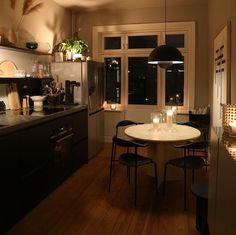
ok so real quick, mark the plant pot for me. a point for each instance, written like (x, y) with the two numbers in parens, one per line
(58, 56)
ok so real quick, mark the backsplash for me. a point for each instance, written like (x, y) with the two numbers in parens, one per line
(23, 61)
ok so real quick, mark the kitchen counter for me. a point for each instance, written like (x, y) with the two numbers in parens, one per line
(39, 150)
(11, 121)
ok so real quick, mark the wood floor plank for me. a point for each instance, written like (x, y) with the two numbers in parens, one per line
(82, 205)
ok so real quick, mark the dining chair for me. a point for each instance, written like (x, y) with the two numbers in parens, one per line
(189, 160)
(130, 158)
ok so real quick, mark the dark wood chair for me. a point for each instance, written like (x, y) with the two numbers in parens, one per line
(130, 158)
(189, 160)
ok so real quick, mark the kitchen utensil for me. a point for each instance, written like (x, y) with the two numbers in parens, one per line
(13, 97)
(38, 102)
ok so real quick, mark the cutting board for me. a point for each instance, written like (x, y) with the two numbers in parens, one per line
(7, 69)
(13, 97)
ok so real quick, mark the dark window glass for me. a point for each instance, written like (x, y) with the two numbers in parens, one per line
(113, 79)
(111, 43)
(142, 81)
(175, 40)
(174, 94)
(142, 41)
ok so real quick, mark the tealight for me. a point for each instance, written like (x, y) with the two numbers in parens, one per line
(113, 106)
(233, 126)
(156, 122)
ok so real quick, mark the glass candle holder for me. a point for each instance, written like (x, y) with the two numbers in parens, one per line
(169, 118)
(156, 118)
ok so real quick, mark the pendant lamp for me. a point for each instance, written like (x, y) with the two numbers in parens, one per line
(165, 55)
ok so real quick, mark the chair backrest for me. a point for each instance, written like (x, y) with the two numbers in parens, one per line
(124, 123)
(203, 128)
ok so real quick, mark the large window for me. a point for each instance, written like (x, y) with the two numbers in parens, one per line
(130, 80)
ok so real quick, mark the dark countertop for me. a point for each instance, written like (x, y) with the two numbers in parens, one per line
(11, 121)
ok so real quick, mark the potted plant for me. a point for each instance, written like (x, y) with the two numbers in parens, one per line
(58, 51)
(74, 45)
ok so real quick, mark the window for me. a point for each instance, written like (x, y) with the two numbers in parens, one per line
(174, 85)
(135, 42)
(132, 82)
(111, 43)
(113, 79)
(175, 40)
(142, 81)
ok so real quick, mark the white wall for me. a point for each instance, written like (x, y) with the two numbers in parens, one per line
(48, 25)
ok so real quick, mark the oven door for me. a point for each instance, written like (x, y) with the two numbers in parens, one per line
(62, 144)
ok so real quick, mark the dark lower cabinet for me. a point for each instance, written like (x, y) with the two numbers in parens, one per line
(35, 160)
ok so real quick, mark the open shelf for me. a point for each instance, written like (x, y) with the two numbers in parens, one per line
(24, 50)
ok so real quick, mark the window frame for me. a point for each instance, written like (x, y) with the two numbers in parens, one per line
(172, 28)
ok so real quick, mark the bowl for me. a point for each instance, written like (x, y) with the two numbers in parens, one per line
(38, 102)
(31, 45)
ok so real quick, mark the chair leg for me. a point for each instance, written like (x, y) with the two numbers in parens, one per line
(135, 186)
(185, 190)
(206, 157)
(156, 179)
(128, 168)
(111, 165)
(164, 181)
(192, 176)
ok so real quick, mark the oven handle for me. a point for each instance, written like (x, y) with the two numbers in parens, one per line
(58, 141)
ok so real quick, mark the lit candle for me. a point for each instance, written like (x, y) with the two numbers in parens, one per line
(155, 122)
(233, 126)
(169, 118)
(113, 106)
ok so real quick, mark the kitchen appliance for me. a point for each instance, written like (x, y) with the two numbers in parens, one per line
(87, 81)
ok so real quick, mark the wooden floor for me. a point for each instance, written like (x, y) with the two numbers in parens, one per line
(82, 205)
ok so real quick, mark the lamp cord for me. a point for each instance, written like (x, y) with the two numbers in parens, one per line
(165, 22)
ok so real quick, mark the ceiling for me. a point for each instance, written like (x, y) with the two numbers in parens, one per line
(91, 5)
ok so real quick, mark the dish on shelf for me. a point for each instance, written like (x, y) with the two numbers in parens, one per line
(7, 69)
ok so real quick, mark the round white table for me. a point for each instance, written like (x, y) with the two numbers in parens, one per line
(161, 141)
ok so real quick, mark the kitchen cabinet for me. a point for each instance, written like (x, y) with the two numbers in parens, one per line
(222, 191)
(36, 159)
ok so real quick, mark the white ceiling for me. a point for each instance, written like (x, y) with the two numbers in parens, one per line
(90, 5)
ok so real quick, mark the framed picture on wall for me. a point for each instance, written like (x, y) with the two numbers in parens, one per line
(221, 81)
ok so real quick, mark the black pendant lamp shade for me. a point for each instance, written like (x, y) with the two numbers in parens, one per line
(165, 56)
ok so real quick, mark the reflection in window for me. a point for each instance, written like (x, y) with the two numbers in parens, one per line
(111, 43)
(175, 40)
(113, 79)
(174, 94)
(135, 42)
(142, 79)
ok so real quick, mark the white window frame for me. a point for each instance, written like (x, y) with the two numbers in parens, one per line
(187, 28)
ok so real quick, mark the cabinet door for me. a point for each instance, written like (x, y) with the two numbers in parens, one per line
(213, 174)
(9, 181)
(35, 163)
(226, 193)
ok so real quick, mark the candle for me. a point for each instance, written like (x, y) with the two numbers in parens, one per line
(155, 122)
(233, 126)
(169, 118)
(113, 106)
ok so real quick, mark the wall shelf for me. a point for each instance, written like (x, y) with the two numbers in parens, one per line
(24, 50)
(8, 80)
